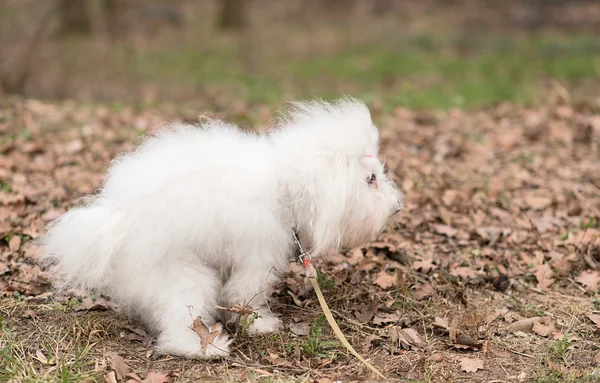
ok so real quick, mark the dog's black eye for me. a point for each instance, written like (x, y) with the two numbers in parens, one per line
(372, 179)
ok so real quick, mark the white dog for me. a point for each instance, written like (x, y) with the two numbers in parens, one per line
(200, 216)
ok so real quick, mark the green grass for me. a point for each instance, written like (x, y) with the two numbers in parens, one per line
(426, 72)
(316, 345)
(19, 364)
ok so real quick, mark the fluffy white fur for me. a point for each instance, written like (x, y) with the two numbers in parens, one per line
(203, 215)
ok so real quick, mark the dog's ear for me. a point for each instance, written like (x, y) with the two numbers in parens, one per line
(325, 185)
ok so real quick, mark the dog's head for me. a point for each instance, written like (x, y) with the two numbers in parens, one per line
(341, 193)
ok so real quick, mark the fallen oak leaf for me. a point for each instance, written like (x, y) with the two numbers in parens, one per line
(300, 329)
(237, 308)
(589, 279)
(118, 365)
(441, 323)
(408, 338)
(382, 318)
(30, 314)
(151, 377)
(445, 230)
(90, 304)
(385, 280)
(366, 313)
(544, 276)
(524, 325)
(423, 291)
(543, 327)
(595, 318)
(471, 365)
(207, 336)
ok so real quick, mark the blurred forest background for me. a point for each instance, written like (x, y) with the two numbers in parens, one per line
(419, 54)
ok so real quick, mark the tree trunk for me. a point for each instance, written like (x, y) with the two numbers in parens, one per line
(74, 17)
(232, 15)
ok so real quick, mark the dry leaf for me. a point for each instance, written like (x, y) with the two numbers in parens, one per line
(276, 360)
(544, 276)
(90, 304)
(382, 318)
(595, 318)
(543, 327)
(151, 377)
(441, 322)
(118, 365)
(207, 336)
(525, 325)
(14, 243)
(366, 314)
(470, 365)
(538, 203)
(406, 338)
(300, 329)
(497, 313)
(445, 230)
(238, 309)
(385, 280)
(589, 279)
(30, 314)
(423, 291)
(111, 377)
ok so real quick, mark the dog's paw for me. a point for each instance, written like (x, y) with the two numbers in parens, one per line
(266, 323)
(189, 345)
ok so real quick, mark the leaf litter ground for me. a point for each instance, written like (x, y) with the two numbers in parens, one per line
(490, 274)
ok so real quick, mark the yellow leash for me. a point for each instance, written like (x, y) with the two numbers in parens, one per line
(311, 274)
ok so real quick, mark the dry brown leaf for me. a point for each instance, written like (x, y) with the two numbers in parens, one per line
(90, 304)
(595, 318)
(151, 377)
(118, 365)
(544, 276)
(425, 265)
(300, 329)
(524, 325)
(423, 291)
(385, 280)
(111, 377)
(497, 313)
(441, 323)
(207, 336)
(543, 327)
(30, 314)
(537, 202)
(366, 313)
(276, 360)
(445, 230)
(471, 365)
(406, 338)
(15, 243)
(597, 359)
(237, 308)
(589, 279)
(382, 318)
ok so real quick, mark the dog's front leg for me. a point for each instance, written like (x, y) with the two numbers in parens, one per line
(251, 285)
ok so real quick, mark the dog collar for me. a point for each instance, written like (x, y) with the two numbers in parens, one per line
(304, 257)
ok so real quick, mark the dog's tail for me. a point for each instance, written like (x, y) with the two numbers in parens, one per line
(82, 245)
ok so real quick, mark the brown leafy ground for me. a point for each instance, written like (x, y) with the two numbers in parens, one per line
(490, 275)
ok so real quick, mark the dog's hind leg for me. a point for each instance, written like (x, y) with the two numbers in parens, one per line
(182, 293)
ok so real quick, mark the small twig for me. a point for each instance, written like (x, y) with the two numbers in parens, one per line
(581, 240)
(535, 230)
(522, 354)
